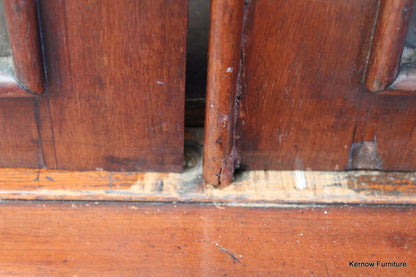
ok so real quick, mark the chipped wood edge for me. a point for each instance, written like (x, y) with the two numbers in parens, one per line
(351, 187)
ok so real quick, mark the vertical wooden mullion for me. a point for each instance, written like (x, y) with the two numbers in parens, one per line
(388, 40)
(22, 25)
(223, 70)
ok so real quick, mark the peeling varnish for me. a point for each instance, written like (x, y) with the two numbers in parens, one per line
(360, 187)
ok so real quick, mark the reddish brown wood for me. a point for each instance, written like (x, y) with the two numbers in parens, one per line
(223, 71)
(303, 103)
(302, 87)
(23, 29)
(10, 88)
(388, 42)
(116, 73)
(19, 137)
(132, 239)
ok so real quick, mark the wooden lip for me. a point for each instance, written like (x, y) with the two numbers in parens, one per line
(350, 187)
(388, 41)
(23, 29)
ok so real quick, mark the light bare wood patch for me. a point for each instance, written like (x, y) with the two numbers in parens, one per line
(251, 186)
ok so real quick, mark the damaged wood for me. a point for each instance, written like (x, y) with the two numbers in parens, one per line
(358, 187)
(223, 72)
(364, 155)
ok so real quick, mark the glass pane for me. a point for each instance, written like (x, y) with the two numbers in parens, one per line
(6, 59)
(4, 37)
(409, 51)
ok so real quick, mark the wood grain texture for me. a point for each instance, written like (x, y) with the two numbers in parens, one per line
(116, 75)
(19, 136)
(107, 239)
(23, 29)
(388, 41)
(223, 71)
(362, 187)
(303, 103)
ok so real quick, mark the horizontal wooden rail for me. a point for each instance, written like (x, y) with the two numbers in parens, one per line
(360, 187)
(138, 239)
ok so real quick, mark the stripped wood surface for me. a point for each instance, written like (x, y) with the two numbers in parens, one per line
(371, 187)
(136, 239)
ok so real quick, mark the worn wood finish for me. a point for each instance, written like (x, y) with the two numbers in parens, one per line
(362, 187)
(388, 42)
(116, 72)
(19, 136)
(223, 71)
(303, 103)
(23, 29)
(10, 88)
(133, 239)
(405, 81)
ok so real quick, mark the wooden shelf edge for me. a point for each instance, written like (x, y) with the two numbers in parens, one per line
(350, 187)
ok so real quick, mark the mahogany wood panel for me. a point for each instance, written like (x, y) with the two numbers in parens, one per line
(19, 136)
(116, 73)
(223, 70)
(23, 29)
(303, 104)
(388, 42)
(133, 239)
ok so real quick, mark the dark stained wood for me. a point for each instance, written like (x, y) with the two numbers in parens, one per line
(388, 42)
(133, 239)
(303, 104)
(116, 73)
(302, 87)
(19, 136)
(23, 29)
(223, 71)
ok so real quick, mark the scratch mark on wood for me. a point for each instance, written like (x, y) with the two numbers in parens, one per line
(235, 259)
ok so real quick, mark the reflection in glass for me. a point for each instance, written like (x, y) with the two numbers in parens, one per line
(6, 59)
(409, 51)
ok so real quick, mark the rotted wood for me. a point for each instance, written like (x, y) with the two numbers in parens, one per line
(136, 239)
(23, 29)
(388, 42)
(221, 107)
